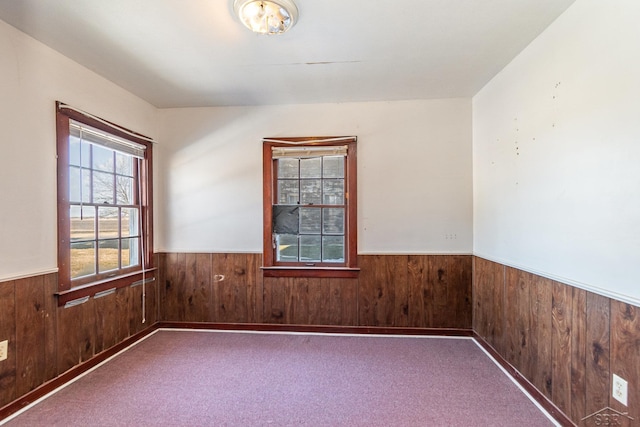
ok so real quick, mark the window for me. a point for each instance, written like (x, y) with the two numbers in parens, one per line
(104, 203)
(310, 207)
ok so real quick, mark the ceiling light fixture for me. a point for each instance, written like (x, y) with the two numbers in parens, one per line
(266, 16)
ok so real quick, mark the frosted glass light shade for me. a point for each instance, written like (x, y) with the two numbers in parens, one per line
(266, 16)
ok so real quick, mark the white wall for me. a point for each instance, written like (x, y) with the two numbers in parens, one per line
(556, 153)
(414, 173)
(32, 78)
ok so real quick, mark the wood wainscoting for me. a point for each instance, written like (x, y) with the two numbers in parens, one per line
(45, 340)
(567, 342)
(422, 291)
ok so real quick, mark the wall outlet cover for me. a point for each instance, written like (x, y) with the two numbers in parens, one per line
(4, 349)
(619, 389)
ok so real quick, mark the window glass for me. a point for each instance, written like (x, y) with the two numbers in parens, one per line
(310, 191)
(311, 168)
(101, 233)
(310, 214)
(333, 167)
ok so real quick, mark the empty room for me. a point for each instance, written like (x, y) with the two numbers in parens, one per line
(320, 212)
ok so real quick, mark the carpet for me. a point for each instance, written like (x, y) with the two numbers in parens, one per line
(215, 378)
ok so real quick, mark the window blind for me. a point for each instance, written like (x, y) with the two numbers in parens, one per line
(305, 152)
(95, 136)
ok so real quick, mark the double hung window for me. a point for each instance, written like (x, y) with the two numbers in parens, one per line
(310, 216)
(103, 200)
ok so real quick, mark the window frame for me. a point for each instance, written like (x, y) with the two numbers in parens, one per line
(273, 268)
(70, 289)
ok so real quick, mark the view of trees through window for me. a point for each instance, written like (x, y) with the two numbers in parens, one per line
(104, 213)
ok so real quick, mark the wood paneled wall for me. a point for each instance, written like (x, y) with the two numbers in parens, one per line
(566, 341)
(425, 291)
(46, 340)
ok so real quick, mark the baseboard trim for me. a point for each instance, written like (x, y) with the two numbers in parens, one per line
(542, 400)
(72, 373)
(333, 329)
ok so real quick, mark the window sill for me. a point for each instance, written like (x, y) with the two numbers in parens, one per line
(91, 289)
(321, 272)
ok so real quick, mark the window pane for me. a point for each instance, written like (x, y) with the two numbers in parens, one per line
(83, 259)
(287, 192)
(333, 221)
(124, 164)
(333, 167)
(332, 248)
(129, 252)
(310, 248)
(83, 226)
(86, 185)
(124, 190)
(287, 247)
(107, 255)
(103, 187)
(74, 151)
(107, 222)
(74, 184)
(333, 191)
(310, 192)
(310, 220)
(311, 168)
(103, 158)
(288, 168)
(85, 153)
(129, 222)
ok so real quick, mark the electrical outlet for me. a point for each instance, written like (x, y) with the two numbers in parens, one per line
(4, 349)
(619, 389)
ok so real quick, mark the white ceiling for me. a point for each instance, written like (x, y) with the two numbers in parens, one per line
(188, 53)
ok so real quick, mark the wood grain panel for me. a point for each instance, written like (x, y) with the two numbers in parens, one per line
(561, 346)
(578, 356)
(161, 281)
(68, 334)
(274, 306)
(255, 291)
(377, 280)
(51, 315)
(191, 299)
(318, 301)
(463, 270)
(122, 313)
(296, 295)
(540, 336)
(348, 300)
(135, 310)
(175, 286)
(8, 332)
(151, 302)
(517, 321)
(30, 333)
(597, 376)
(396, 274)
(87, 328)
(106, 322)
(490, 304)
(625, 354)
(200, 291)
(420, 301)
(230, 275)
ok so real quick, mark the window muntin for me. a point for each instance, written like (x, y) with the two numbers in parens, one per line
(310, 204)
(104, 208)
(104, 201)
(313, 184)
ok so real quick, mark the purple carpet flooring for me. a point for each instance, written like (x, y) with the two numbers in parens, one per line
(197, 378)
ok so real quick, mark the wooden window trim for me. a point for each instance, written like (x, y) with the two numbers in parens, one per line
(66, 290)
(347, 269)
